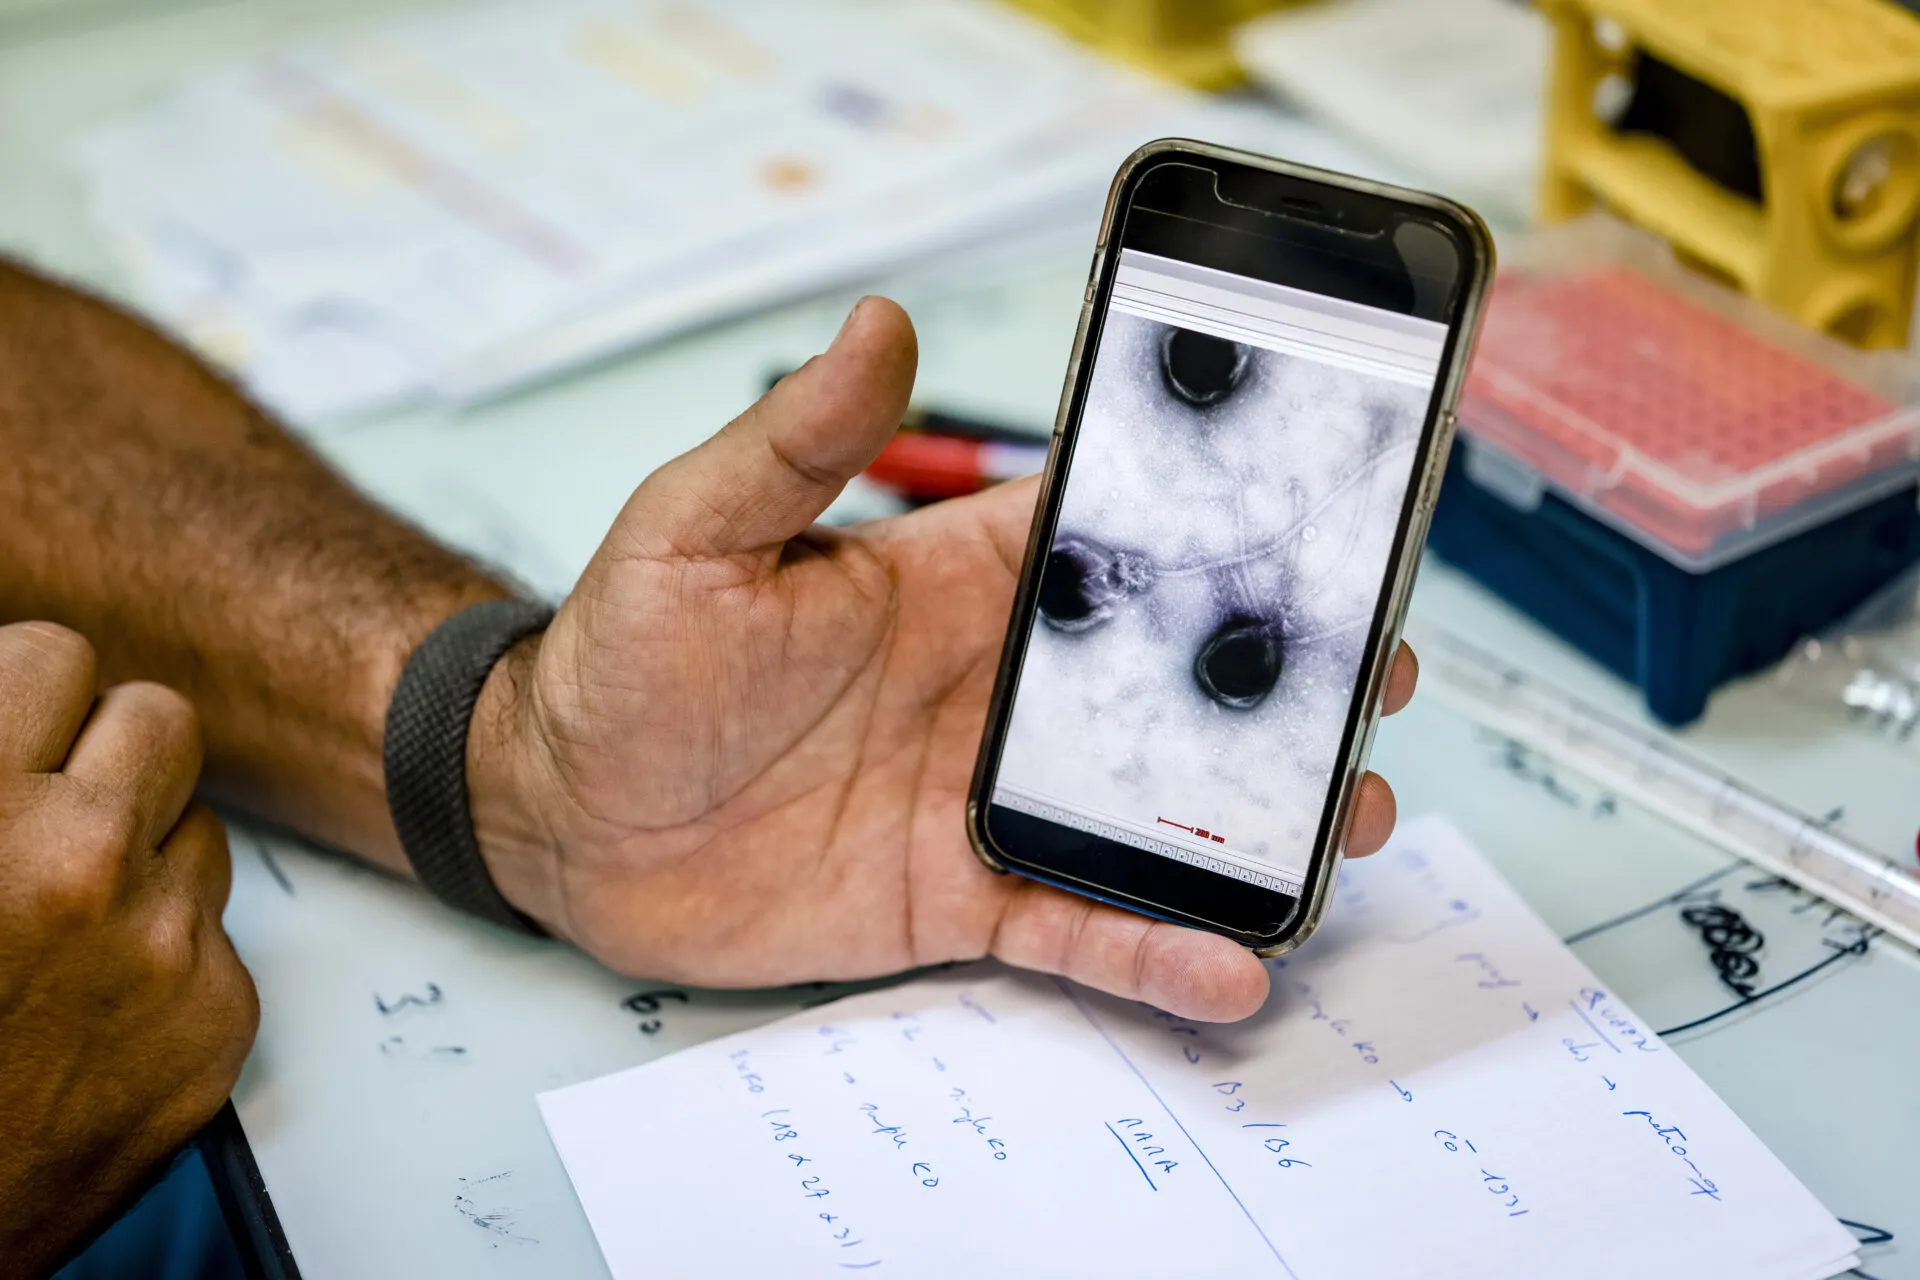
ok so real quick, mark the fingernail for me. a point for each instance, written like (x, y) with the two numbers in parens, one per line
(848, 322)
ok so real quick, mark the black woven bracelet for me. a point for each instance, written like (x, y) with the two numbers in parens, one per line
(425, 754)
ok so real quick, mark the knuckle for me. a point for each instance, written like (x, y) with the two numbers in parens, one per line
(171, 954)
(105, 828)
(231, 1004)
(219, 1009)
(46, 650)
(76, 887)
(199, 840)
(162, 700)
(158, 735)
(201, 829)
(73, 897)
(245, 1006)
(163, 711)
(204, 1081)
(73, 901)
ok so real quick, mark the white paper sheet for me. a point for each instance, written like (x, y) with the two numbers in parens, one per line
(1437, 1088)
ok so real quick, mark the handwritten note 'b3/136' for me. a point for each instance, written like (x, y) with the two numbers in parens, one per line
(1438, 1088)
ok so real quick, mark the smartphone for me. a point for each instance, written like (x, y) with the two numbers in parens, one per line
(1253, 430)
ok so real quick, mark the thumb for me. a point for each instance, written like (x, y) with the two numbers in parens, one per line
(770, 472)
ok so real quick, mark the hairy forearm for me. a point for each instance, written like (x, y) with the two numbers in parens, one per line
(148, 506)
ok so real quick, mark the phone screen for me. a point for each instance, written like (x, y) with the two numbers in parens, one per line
(1260, 395)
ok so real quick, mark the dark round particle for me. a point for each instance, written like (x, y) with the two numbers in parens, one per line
(1065, 601)
(1082, 580)
(1240, 663)
(1200, 368)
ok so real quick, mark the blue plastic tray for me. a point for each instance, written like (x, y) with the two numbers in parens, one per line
(1677, 635)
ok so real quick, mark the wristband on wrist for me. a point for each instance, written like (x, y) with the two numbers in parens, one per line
(425, 753)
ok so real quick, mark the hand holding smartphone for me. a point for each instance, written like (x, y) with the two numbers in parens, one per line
(1248, 447)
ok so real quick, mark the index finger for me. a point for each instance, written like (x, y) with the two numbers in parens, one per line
(1187, 972)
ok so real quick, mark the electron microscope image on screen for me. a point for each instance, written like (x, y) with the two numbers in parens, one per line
(1222, 543)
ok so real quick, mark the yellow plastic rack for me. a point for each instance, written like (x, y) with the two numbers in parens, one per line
(1832, 88)
(1181, 40)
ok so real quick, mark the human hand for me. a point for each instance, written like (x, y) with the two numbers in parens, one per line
(124, 1012)
(741, 753)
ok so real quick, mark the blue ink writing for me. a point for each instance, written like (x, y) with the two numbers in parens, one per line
(1599, 1006)
(1136, 1159)
(1277, 1145)
(1145, 1146)
(1677, 1143)
(748, 1076)
(1490, 976)
(978, 1123)
(1494, 1184)
(967, 1002)
(892, 1131)
(1180, 1027)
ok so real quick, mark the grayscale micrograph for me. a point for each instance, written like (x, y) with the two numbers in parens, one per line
(1222, 544)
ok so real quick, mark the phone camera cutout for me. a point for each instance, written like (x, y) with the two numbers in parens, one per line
(1240, 663)
(1082, 581)
(1201, 369)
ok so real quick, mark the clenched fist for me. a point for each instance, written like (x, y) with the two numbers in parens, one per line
(124, 1012)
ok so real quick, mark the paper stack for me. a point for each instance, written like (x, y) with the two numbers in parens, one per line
(457, 204)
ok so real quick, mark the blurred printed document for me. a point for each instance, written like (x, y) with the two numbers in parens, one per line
(454, 204)
(1437, 1088)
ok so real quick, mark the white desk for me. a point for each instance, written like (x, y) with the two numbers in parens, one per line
(406, 1143)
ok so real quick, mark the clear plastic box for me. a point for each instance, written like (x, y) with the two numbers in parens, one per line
(1681, 413)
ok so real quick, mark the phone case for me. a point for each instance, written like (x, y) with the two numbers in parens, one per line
(1422, 490)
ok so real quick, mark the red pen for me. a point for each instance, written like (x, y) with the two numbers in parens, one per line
(926, 467)
(939, 455)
